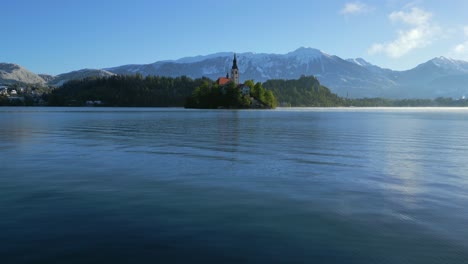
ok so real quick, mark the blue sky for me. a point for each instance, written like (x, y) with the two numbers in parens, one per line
(57, 36)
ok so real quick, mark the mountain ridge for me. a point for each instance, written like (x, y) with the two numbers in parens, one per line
(347, 77)
(12, 73)
(60, 79)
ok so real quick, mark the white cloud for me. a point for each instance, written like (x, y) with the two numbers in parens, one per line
(376, 48)
(355, 8)
(419, 33)
(461, 49)
(416, 17)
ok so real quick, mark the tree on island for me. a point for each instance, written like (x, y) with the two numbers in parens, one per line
(210, 95)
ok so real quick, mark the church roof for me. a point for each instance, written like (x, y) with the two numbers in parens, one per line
(223, 81)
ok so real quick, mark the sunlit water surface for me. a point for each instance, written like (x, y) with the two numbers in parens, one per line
(120, 185)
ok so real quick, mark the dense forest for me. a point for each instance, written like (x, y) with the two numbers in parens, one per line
(136, 90)
(126, 90)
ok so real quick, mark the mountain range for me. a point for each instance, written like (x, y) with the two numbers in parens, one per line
(356, 78)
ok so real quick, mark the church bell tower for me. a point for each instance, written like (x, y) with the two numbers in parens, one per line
(235, 71)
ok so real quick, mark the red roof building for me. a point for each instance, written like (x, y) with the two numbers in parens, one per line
(223, 81)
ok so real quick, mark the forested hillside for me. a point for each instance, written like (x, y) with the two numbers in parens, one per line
(306, 91)
(128, 90)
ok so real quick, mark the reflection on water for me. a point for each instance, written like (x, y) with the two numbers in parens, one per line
(97, 185)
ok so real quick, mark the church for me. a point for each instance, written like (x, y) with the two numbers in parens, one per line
(234, 78)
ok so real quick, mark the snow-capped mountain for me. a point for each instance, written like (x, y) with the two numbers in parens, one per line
(60, 79)
(450, 64)
(439, 77)
(369, 66)
(343, 77)
(13, 73)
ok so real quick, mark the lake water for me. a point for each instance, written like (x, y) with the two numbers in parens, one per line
(149, 185)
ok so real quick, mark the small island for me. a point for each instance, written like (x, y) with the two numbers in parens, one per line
(228, 93)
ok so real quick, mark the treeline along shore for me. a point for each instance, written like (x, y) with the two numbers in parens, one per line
(157, 91)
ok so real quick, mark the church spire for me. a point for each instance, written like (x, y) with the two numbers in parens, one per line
(235, 71)
(234, 62)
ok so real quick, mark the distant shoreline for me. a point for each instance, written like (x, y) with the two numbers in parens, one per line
(294, 108)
